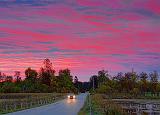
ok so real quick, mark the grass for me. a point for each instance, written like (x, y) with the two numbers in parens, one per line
(129, 96)
(101, 106)
(85, 109)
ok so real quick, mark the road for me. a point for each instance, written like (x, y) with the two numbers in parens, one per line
(63, 107)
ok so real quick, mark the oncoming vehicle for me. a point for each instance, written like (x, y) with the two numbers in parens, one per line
(71, 96)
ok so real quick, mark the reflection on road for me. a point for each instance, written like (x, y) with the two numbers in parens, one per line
(71, 101)
(63, 107)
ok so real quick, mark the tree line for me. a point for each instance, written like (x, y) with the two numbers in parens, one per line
(128, 83)
(43, 81)
(46, 81)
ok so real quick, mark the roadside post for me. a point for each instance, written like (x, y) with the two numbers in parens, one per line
(89, 100)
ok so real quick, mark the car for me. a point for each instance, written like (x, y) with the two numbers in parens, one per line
(71, 96)
(82, 91)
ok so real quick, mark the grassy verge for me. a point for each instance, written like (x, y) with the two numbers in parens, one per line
(85, 109)
(101, 106)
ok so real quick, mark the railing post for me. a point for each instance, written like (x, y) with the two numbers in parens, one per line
(6, 107)
(30, 104)
(21, 105)
(15, 106)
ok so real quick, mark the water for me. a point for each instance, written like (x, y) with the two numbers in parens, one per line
(139, 106)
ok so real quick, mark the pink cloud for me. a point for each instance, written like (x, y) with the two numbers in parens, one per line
(85, 37)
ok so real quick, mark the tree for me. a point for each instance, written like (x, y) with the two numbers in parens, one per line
(65, 80)
(48, 66)
(10, 87)
(103, 76)
(104, 89)
(75, 79)
(94, 82)
(17, 76)
(154, 81)
(127, 80)
(8, 79)
(143, 78)
(119, 81)
(54, 83)
(86, 86)
(47, 72)
(2, 77)
(31, 74)
(45, 81)
(76, 82)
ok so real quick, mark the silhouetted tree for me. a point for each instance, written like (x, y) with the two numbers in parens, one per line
(10, 87)
(8, 79)
(17, 76)
(65, 80)
(131, 78)
(31, 75)
(47, 72)
(154, 81)
(103, 76)
(94, 82)
(76, 82)
(143, 80)
(120, 82)
(2, 77)
(75, 79)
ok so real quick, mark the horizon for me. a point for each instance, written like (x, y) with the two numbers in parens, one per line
(23, 76)
(83, 36)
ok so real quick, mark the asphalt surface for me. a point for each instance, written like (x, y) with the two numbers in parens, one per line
(63, 107)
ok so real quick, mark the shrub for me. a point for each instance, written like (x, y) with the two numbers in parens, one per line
(10, 87)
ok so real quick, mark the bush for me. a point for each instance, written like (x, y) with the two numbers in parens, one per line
(10, 87)
(135, 92)
(104, 89)
(105, 106)
(1, 90)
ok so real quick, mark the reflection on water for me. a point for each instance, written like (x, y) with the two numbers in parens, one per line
(138, 107)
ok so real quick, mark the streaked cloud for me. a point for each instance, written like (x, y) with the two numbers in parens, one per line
(83, 35)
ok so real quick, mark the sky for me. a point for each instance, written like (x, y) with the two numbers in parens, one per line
(83, 35)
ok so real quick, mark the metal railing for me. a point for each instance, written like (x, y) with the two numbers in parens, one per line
(6, 107)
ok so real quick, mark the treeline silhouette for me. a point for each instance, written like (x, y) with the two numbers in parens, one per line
(130, 83)
(43, 81)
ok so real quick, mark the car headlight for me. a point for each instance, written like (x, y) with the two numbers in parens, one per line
(68, 96)
(74, 96)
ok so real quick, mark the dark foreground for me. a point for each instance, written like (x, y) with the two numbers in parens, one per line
(64, 107)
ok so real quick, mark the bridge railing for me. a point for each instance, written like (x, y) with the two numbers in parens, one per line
(14, 105)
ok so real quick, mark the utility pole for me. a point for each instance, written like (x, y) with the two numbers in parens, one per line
(132, 70)
(93, 83)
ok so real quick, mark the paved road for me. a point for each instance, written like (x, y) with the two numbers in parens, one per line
(63, 107)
